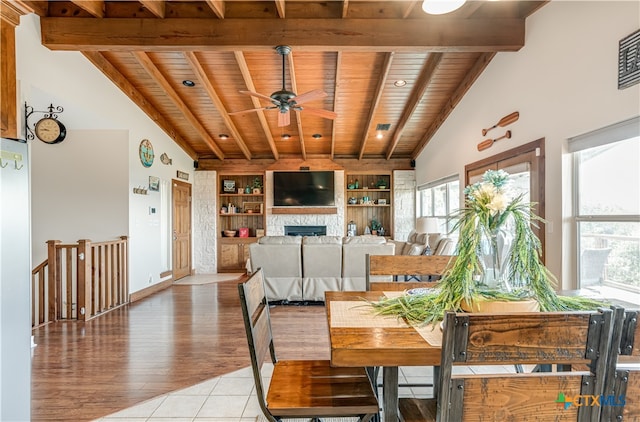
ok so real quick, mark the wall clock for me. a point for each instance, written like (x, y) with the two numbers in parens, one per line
(50, 130)
(146, 153)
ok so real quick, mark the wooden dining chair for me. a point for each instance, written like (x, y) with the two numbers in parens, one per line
(299, 388)
(395, 265)
(624, 404)
(625, 348)
(380, 266)
(507, 339)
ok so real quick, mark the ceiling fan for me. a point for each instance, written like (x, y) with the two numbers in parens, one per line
(284, 100)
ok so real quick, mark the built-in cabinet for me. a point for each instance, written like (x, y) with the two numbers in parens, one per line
(368, 199)
(241, 209)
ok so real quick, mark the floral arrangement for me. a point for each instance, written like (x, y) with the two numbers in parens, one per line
(487, 267)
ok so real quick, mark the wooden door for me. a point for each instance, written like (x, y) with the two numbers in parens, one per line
(181, 197)
(527, 162)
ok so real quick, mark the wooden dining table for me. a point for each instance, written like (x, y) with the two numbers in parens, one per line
(359, 337)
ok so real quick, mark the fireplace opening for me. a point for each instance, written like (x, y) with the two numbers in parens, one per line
(305, 230)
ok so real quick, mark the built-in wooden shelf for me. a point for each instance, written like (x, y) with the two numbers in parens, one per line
(304, 210)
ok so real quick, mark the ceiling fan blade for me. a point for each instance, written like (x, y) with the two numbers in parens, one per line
(284, 119)
(327, 114)
(309, 96)
(255, 94)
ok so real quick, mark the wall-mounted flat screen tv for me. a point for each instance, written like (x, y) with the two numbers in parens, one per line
(303, 188)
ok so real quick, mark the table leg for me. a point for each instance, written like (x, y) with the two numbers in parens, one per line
(390, 394)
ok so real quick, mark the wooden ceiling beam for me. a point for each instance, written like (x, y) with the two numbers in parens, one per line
(294, 88)
(196, 66)
(382, 79)
(428, 34)
(337, 93)
(146, 62)
(10, 11)
(218, 7)
(422, 83)
(248, 80)
(478, 67)
(158, 8)
(107, 68)
(95, 7)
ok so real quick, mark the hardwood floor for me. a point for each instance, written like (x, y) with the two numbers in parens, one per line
(173, 339)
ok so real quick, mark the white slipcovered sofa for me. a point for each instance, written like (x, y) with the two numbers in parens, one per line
(302, 268)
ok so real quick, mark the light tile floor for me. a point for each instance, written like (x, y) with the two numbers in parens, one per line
(232, 398)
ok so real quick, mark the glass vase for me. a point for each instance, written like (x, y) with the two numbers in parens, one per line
(495, 247)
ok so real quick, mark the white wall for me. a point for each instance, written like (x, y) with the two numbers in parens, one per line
(563, 83)
(79, 186)
(96, 111)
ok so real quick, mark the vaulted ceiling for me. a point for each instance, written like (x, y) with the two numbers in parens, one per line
(356, 52)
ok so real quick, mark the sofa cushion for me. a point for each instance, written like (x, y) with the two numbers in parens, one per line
(322, 240)
(434, 240)
(280, 240)
(412, 236)
(415, 249)
(367, 239)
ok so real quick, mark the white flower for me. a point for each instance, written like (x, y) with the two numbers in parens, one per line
(498, 204)
(486, 190)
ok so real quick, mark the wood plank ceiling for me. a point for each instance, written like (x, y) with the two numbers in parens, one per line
(354, 51)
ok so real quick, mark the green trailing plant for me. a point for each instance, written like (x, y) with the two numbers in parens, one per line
(488, 210)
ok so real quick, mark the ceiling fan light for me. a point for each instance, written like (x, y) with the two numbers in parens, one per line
(440, 7)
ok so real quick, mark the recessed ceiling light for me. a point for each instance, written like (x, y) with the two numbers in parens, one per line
(223, 136)
(286, 136)
(188, 83)
(316, 136)
(400, 83)
(379, 135)
(440, 7)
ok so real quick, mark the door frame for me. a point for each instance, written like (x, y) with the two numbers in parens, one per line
(537, 183)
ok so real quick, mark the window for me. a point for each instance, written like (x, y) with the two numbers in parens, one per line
(607, 210)
(438, 199)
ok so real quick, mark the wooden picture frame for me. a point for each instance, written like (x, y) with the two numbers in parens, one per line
(255, 207)
(229, 186)
(154, 183)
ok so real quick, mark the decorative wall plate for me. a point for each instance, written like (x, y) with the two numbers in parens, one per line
(146, 153)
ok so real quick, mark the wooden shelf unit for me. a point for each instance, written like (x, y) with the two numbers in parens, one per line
(362, 213)
(233, 252)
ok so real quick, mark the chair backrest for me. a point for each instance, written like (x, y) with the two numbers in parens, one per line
(625, 403)
(257, 323)
(523, 338)
(625, 331)
(381, 265)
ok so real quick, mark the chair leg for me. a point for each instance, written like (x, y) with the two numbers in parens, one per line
(372, 372)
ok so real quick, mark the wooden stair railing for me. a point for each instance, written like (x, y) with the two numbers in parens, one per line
(80, 281)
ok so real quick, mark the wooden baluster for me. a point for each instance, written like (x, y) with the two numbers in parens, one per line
(52, 291)
(84, 280)
(124, 254)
